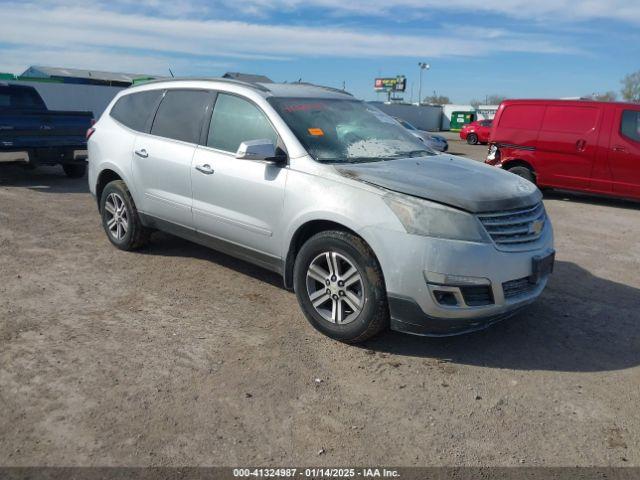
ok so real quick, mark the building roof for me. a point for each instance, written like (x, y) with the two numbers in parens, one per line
(96, 75)
(247, 77)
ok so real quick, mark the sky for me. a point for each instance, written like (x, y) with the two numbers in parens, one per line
(475, 48)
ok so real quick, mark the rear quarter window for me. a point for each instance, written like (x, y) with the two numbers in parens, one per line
(570, 119)
(134, 110)
(522, 117)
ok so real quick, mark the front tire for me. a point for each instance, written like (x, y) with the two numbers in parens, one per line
(120, 217)
(472, 139)
(523, 172)
(74, 170)
(340, 287)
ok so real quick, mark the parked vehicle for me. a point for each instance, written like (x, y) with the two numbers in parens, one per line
(368, 226)
(32, 135)
(476, 132)
(573, 145)
(436, 142)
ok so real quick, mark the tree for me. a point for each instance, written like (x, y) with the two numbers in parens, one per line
(436, 99)
(604, 97)
(488, 100)
(631, 87)
(495, 99)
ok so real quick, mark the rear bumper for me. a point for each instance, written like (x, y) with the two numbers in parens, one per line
(44, 156)
(12, 157)
(80, 155)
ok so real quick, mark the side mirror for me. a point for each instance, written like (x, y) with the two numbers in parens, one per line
(262, 149)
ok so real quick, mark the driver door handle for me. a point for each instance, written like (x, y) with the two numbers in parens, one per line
(206, 169)
(141, 153)
(619, 148)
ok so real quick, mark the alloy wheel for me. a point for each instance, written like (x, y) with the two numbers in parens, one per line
(335, 288)
(117, 216)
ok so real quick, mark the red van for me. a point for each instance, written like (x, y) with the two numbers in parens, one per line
(573, 145)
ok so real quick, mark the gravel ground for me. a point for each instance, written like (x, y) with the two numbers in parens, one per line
(178, 355)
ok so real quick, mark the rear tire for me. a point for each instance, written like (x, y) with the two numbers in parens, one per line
(345, 299)
(472, 139)
(120, 218)
(523, 172)
(74, 170)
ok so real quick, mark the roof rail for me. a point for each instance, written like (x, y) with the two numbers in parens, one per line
(256, 86)
(324, 87)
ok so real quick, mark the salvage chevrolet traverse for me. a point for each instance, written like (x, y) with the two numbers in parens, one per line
(370, 228)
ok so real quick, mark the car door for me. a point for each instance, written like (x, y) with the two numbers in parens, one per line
(624, 152)
(239, 201)
(162, 158)
(567, 143)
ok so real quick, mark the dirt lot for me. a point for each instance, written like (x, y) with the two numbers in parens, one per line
(178, 355)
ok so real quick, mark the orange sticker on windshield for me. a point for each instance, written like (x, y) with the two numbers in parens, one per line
(316, 132)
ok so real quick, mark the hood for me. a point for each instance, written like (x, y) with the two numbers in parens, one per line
(455, 181)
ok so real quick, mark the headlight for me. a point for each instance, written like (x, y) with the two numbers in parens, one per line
(430, 219)
(493, 153)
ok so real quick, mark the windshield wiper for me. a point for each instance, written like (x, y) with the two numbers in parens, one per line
(411, 153)
(352, 160)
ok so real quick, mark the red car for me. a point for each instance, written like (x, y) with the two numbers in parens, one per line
(571, 145)
(476, 132)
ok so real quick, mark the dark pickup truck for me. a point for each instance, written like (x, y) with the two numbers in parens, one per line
(32, 135)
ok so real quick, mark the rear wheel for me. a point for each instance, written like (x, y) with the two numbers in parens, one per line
(74, 170)
(340, 287)
(472, 139)
(120, 217)
(523, 172)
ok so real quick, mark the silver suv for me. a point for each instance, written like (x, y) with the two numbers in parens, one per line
(368, 226)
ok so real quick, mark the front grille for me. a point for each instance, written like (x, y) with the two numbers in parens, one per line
(476, 296)
(518, 287)
(515, 229)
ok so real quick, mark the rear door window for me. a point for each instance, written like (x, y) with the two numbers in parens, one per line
(134, 110)
(236, 120)
(181, 115)
(630, 125)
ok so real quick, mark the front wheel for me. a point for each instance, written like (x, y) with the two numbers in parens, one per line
(523, 172)
(340, 288)
(472, 139)
(74, 170)
(120, 217)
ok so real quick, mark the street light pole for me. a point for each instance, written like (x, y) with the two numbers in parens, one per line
(422, 66)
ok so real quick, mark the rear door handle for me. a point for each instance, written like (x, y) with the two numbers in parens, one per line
(141, 153)
(619, 148)
(206, 169)
(581, 145)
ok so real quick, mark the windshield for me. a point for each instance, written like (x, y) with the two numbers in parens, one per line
(347, 130)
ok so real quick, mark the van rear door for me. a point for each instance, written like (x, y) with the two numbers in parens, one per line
(567, 144)
(624, 151)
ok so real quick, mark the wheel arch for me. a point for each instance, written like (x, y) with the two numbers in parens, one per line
(303, 233)
(518, 162)
(106, 176)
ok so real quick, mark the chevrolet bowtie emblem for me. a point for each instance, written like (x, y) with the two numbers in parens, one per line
(536, 227)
